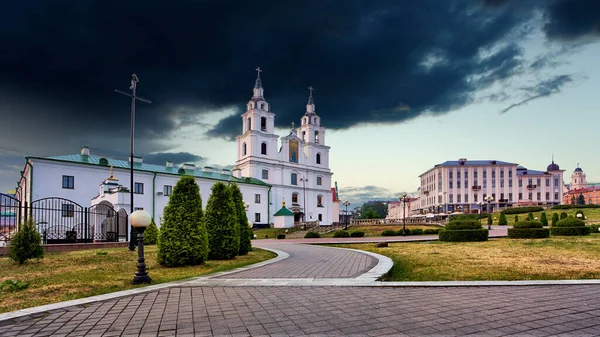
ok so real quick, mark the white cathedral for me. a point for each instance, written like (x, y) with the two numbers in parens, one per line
(297, 168)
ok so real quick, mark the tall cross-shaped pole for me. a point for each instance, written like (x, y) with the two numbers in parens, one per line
(311, 89)
(258, 70)
(293, 124)
(133, 87)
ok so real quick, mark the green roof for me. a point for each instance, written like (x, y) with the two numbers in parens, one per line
(283, 212)
(95, 161)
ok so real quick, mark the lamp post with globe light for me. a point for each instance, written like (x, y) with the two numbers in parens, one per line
(489, 199)
(403, 198)
(346, 203)
(140, 220)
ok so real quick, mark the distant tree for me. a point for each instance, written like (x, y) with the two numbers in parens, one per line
(370, 214)
(183, 239)
(222, 224)
(240, 209)
(379, 210)
(502, 221)
(26, 244)
(554, 218)
(151, 234)
(580, 199)
(544, 219)
(530, 216)
(572, 200)
(516, 218)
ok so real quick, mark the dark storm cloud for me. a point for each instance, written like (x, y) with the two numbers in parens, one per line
(542, 89)
(573, 19)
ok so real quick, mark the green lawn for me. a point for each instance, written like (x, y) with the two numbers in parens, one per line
(70, 275)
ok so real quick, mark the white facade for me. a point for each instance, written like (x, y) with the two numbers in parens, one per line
(296, 165)
(462, 186)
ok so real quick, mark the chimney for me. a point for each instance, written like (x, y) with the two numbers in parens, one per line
(85, 151)
(169, 163)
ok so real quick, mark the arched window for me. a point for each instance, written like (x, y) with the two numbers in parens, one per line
(295, 198)
(319, 200)
(103, 161)
(294, 179)
(304, 135)
(262, 106)
(263, 148)
(265, 174)
(317, 137)
(249, 123)
(244, 149)
(318, 158)
(315, 120)
(304, 121)
(263, 124)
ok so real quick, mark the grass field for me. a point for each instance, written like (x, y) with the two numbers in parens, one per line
(555, 258)
(71, 275)
(592, 215)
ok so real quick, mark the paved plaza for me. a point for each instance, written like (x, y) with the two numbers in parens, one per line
(313, 290)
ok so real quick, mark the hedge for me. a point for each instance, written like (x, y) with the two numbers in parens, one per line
(357, 234)
(570, 222)
(464, 235)
(431, 231)
(594, 228)
(312, 235)
(519, 210)
(528, 233)
(570, 231)
(416, 231)
(463, 224)
(407, 232)
(528, 224)
(280, 236)
(575, 206)
(341, 234)
(388, 232)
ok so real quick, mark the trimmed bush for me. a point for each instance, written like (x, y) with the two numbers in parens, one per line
(431, 231)
(580, 212)
(222, 224)
(516, 218)
(246, 233)
(502, 221)
(530, 216)
(26, 244)
(464, 235)
(594, 228)
(519, 210)
(389, 232)
(464, 224)
(416, 231)
(357, 234)
(312, 235)
(570, 222)
(544, 219)
(575, 206)
(280, 236)
(151, 234)
(528, 224)
(570, 231)
(341, 234)
(407, 232)
(554, 219)
(183, 239)
(563, 215)
(528, 233)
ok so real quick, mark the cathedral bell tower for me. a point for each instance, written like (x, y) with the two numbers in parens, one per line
(312, 134)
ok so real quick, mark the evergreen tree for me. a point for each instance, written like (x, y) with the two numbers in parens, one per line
(183, 239)
(572, 200)
(222, 224)
(502, 221)
(151, 234)
(26, 244)
(580, 199)
(554, 218)
(563, 215)
(516, 218)
(544, 219)
(530, 216)
(490, 222)
(245, 230)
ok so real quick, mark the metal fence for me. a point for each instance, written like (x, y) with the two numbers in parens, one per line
(60, 220)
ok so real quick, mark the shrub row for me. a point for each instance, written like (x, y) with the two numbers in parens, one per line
(415, 231)
(570, 231)
(528, 233)
(519, 210)
(464, 235)
(528, 224)
(575, 206)
(594, 228)
(463, 224)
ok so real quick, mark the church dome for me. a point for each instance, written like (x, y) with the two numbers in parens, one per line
(578, 170)
(552, 167)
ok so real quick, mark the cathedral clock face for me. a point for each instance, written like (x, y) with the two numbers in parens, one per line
(293, 151)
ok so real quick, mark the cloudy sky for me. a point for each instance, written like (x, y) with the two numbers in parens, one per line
(400, 85)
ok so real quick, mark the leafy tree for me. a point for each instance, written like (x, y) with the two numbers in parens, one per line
(580, 199)
(26, 244)
(554, 218)
(374, 210)
(530, 216)
(151, 234)
(502, 221)
(370, 214)
(183, 239)
(572, 200)
(490, 222)
(222, 224)
(516, 218)
(544, 219)
(240, 209)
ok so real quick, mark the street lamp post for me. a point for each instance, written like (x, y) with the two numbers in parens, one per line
(489, 199)
(403, 198)
(346, 203)
(304, 181)
(140, 220)
(133, 87)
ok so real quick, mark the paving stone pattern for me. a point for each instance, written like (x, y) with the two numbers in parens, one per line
(311, 262)
(571, 310)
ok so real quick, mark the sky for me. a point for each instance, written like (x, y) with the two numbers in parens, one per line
(400, 85)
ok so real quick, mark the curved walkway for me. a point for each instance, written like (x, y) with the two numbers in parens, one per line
(190, 308)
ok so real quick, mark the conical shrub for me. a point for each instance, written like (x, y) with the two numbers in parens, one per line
(26, 244)
(240, 210)
(544, 219)
(222, 224)
(502, 221)
(183, 238)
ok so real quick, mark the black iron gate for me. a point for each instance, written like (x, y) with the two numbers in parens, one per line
(105, 222)
(10, 217)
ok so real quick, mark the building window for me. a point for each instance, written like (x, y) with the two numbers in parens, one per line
(493, 174)
(530, 196)
(457, 174)
(520, 196)
(484, 173)
(458, 198)
(493, 183)
(167, 190)
(501, 196)
(555, 182)
(451, 198)
(317, 137)
(295, 198)
(475, 174)
(319, 201)
(466, 198)
(294, 179)
(509, 196)
(494, 196)
(263, 124)
(484, 183)
(502, 173)
(68, 210)
(539, 182)
(539, 196)
(318, 158)
(256, 217)
(450, 174)
(501, 183)
(304, 136)
(555, 195)
(249, 123)
(319, 181)
(547, 195)
(450, 185)
(320, 217)
(257, 198)
(244, 149)
(520, 182)
(138, 188)
(510, 173)
(510, 183)
(265, 174)
(263, 148)
(530, 181)
(475, 197)
(68, 182)
(458, 184)
(547, 182)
